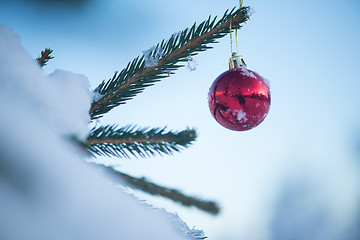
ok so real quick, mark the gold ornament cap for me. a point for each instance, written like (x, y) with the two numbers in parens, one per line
(236, 61)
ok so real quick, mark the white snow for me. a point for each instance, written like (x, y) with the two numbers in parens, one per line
(47, 190)
(250, 12)
(152, 56)
(182, 226)
(191, 63)
(96, 96)
(246, 72)
(240, 115)
(73, 101)
(61, 99)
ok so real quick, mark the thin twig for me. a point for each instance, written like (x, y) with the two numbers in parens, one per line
(120, 141)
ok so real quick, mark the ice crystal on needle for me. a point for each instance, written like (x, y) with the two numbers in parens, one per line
(191, 64)
(152, 56)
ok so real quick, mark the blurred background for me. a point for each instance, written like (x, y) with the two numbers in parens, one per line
(296, 174)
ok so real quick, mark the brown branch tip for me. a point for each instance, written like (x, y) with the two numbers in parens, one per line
(45, 57)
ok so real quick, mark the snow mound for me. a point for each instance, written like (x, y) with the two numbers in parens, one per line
(47, 190)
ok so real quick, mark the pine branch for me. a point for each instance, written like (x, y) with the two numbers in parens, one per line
(45, 57)
(172, 194)
(138, 74)
(120, 142)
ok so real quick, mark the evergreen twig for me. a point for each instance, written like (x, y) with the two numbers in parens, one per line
(172, 194)
(137, 75)
(45, 57)
(120, 142)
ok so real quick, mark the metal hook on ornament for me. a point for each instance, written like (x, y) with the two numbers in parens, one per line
(236, 60)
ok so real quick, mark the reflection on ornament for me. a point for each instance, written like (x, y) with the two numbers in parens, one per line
(239, 99)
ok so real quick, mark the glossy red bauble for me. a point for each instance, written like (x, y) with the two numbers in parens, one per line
(239, 99)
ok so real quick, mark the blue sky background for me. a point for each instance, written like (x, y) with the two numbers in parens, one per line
(309, 50)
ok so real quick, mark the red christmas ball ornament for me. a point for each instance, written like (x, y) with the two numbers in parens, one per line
(239, 99)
